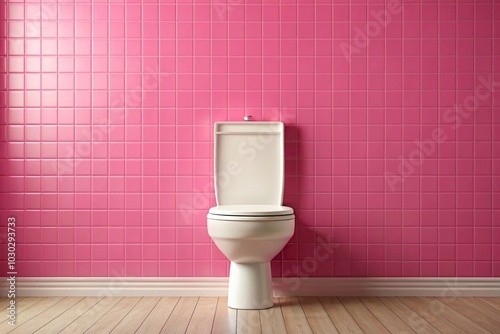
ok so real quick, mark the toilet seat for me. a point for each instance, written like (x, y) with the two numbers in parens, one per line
(251, 210)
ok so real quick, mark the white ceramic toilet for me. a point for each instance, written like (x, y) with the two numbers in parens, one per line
(249, 224)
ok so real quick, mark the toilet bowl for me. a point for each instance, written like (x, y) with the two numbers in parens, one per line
(250, 225)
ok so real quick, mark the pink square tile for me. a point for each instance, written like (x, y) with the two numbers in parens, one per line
(445, 203)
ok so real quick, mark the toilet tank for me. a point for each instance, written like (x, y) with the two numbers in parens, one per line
(249, 163)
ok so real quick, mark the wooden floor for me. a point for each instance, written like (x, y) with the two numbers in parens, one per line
(289, 315)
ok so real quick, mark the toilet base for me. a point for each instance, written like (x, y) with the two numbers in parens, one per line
(250, 286)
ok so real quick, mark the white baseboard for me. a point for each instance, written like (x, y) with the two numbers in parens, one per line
(293, 286)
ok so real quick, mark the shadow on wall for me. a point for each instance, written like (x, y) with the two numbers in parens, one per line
(312, 250)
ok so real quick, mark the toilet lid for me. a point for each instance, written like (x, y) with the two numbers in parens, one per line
(251, 210)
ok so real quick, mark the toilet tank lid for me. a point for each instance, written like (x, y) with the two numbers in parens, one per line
(251, 210)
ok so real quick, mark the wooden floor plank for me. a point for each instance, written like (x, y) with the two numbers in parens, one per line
(159, 315)
(113, 317)
(316, 316)
(26, 303)
(453, 316)
(431, 315)
(495, 302)
(41, 319)
(29, 313)
(340, 317)
(390, 320)
(21, 306)
(412, 318)
(295, 319)
(225, 318)
(203, 316)
(463, 309)
(136, 316)
(482, 307)
(486, 321)
(365, 319)
(272, 320)
(181, 315)
(94, 314)
(4, 302)
(248, 322)
(64, 319)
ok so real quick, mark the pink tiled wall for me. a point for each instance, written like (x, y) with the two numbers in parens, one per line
(392, 143)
